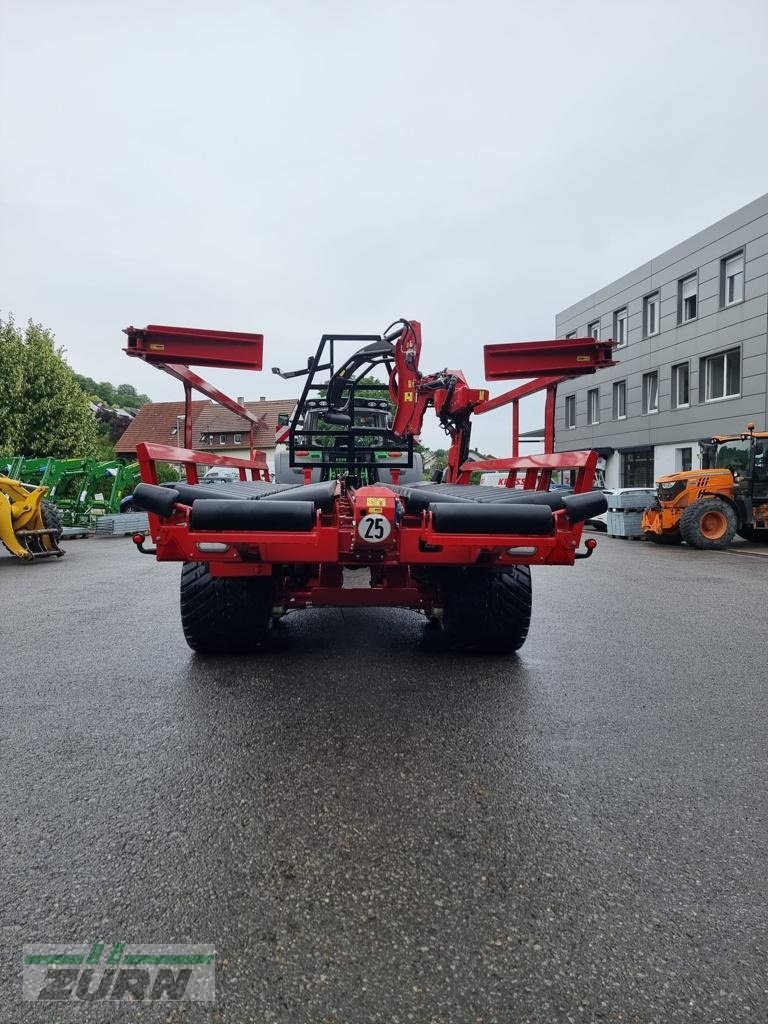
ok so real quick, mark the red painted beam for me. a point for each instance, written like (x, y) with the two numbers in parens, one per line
(570, 357)
(190, 378)
(523, 391)
(233, 350)
(549, 419)
(556, 460)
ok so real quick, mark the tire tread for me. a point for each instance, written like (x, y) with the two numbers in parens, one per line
(224, 614)
(488, 610)
(690, 528)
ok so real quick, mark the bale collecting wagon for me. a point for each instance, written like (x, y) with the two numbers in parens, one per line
(349, 492)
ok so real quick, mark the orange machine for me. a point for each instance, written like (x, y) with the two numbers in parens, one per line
(706, 508)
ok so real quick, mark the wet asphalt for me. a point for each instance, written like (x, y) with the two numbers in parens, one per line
(370, 829)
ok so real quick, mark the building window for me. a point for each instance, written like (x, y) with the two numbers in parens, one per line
(569, 335)
(222, 438)
(282, 419)
(683, 460)
(680, 386)
(732, 279)
(238, 438)
(593, 406)
(593, 330)
(650, 402)
(570, 411)
(637, 468)
(620, 400)
(720, 375)
(620, 327)
(687, 299)
(651, 314)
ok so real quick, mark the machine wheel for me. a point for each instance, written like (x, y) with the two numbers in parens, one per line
(664, 538)
(224, 614)
(756, 536)
(709, 523)
(52, 519)
(488, 610)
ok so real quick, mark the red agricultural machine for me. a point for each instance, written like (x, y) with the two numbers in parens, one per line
(349, 493)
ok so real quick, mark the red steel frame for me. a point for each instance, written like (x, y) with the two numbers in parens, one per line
(333, 543)
(187, 346)
(553, 364)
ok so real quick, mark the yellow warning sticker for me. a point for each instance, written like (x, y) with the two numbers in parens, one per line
(408, 396)
(583, 359)
(375, 502)
(481, 396)
(155, 346)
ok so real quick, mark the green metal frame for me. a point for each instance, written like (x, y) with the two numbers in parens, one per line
(80, 488)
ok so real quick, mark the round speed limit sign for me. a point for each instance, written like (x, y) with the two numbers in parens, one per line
(374, 528)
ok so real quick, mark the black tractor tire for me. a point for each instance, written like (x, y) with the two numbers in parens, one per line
(52, 518)
(709, 523)
(664, 538)
(487, 610)
(224, 614)
(751, 534)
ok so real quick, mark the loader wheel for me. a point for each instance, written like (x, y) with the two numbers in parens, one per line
(224, 614)
(52, 519)
(664, 538)
(487, 609)
(709, 524)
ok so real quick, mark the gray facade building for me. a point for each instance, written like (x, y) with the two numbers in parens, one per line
(692, 327)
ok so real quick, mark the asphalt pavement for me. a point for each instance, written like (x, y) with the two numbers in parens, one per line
(370, 829)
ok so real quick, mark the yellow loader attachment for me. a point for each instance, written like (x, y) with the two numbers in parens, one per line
(29, 526)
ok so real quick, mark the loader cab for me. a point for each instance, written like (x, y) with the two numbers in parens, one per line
(361, 449)
(733, 455)
(759, 470)
(342, 424)
(371, 413)
(746, 458)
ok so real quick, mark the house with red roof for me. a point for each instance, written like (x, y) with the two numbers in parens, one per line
(214, 428)
(157, 423)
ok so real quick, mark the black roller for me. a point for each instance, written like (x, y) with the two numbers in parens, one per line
(151, 498)
(294, 516)
(229, 490)
(551, 499)
(506, 518)
(417, 499)
(190, 493)
(581, 507)
(320, 494)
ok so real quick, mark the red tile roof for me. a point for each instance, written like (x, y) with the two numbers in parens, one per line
(155, 423)
(216, 420)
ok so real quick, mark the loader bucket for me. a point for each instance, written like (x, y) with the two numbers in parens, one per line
(22, 526)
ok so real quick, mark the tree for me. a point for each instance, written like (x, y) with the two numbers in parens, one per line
(439, 459)
(52, 414)
(124, 396)
(11, 381)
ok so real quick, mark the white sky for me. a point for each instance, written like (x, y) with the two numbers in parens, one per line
(297, 167)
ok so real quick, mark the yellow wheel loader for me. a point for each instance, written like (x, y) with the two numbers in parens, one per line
(30, 526)
(706, 508)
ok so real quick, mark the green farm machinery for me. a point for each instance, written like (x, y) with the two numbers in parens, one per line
(82, 489)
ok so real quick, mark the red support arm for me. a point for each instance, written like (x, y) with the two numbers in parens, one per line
(163, 346)
(231, 350)
(570, 357)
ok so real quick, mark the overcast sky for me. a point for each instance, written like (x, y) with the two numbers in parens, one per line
(298, 167)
